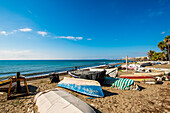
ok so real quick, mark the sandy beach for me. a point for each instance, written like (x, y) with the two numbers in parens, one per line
(152, 98)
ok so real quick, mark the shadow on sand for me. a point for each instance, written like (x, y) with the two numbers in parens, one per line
(141, 88)
(108, 93)
(23, 92)
(96, 110)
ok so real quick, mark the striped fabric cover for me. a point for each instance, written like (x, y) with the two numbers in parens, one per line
(123, 84)
(119, 83)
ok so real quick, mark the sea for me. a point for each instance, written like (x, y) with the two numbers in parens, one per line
(32, 68)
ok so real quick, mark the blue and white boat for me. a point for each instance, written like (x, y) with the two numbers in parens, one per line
(87, 87)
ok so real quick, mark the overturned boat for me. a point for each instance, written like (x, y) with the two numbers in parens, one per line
(90, 75)
(87, 87)
(58, 100)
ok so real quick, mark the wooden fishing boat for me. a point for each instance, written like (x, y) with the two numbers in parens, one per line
(111, 72)
(114, 66)
(4, 82)
(90, 75)
(135, 77)
(87, 87)
(58, 100)
(152, 74)
(145, 79)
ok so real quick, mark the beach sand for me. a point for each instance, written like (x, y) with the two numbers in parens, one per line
(152, 98)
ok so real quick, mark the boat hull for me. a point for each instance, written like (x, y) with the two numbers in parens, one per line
(58, 100)
(87, 87)
(90, 75)
(138, 78)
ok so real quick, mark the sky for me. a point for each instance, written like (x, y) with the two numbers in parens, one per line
(81, 29)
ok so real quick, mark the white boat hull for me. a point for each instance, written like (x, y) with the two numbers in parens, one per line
(59, 101)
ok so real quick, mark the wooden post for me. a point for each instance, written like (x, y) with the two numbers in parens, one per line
(168, 54)
(18, 82)
(26, 86)
(126, 63)
(9, 90)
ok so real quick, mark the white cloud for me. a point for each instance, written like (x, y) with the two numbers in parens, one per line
(42, 33)
(3, 33)
(69, 37)
(79, 38)
(89, 39)
(25, 30)
(66, 37)
(162, 32)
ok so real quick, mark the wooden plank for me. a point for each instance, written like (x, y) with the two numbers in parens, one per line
(9, 90)
(26, 86)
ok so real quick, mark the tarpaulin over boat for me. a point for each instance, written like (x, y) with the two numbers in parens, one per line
(121, 83)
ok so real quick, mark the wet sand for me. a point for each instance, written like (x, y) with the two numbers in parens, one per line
(152, 98)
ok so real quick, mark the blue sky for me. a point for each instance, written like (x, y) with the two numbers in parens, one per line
(81, 29)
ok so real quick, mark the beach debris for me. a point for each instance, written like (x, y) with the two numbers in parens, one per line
(121, 83)
(87, 87)
(58, 100)
(54, 77)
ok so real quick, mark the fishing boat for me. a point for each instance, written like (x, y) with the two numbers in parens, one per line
(58, 100)
(112, 72)
(114, 66)
(152, 74)
(87, 87)
(90, 75)
(4, 82)
(145, 79)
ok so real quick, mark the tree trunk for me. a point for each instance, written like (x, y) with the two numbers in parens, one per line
(168, 53)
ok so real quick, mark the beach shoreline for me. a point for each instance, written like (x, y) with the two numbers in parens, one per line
(152, 98)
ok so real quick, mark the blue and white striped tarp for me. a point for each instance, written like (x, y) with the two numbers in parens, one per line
(119, 83)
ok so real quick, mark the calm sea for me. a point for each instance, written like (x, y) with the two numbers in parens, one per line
(41, 67)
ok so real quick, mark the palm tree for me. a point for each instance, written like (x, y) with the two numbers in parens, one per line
(167, 38)
(150, 54)
(164, 47)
